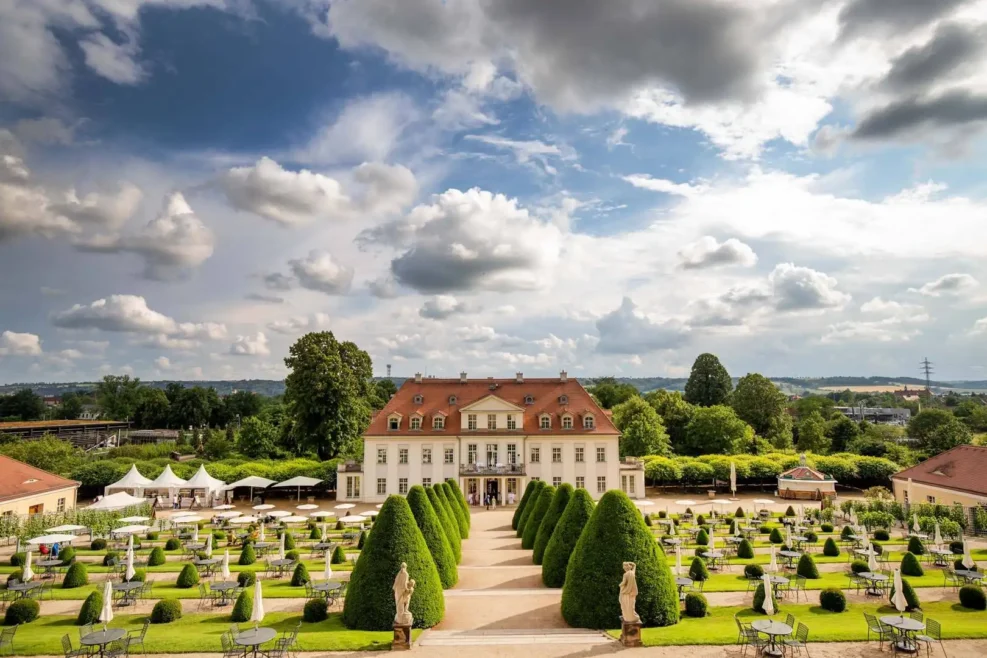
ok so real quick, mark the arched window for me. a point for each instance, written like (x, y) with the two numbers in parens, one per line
(567, 422)
(529, 399)
(589, 422)
(416, 422)
(394, 423)
(545, 422)
(563, 399)
(452, 399)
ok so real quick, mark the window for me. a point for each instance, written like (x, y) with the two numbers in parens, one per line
(393, 423)
(416, 423)
(601, 454)
(352, 486)
(545, 422)
(567, 422)
(471, 453)
(403, 486)
(580, 482)
(563, 399)
(589, 422)
(439, 423)
(452, 399)
(60, 507)
(450, 455)
(930, 499)
(402, 455)
(556, 481)
(426, 482)
(381, 455)
(557, 455)
(529, 399)
(491, 421)
(580, 454)
(426, 455)
(601, 484)
(535, 455)
(491, 454)
(419, 399)
(511, 422)
(381, 486)
(627, 483)
(471, 421)
(511, 453)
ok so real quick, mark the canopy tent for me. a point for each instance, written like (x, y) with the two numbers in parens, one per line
(51, 539)
(134, 519)
(116, 501)
(254, 482)
(299, 481)
(133, 482)
(211, 487)
(167, 481)
(66, 528)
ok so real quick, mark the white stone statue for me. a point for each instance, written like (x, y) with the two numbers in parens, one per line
(402, 596)
(628, 593)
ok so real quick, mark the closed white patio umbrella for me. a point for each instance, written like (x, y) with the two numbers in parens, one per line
(937, 538)
(195, 534)
(281, 547)
(773, 565)
(257, 614)
(898, 600)
(324, 531)
(678, 560)
(106, 613)
(28, 572)
(733, 480)
(671, 527)
(225, 569)
(915, 525)
(872, 558)
(712, 542)
(261, 532)
(130, 572)
(769, 599)
(130, 543)
(967, 558)
(209, 546)
(328, 569)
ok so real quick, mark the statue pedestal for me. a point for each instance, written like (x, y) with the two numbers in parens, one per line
(630, 633)
(402, 637)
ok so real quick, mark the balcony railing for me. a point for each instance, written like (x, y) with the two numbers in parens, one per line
(498, 469)
(350, 467)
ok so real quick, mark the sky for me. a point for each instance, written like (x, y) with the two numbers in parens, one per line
(493, 186)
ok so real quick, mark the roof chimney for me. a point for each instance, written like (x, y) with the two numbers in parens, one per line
(564, 376)
(462, 377)
(418, 378)
(519, 377)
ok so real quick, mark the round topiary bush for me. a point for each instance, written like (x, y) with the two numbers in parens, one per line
(76, 576)
(529, 506)
(246, 578)
(109, 557)
(563, 540)
(315, 610)
(739, 514)
(701, 520)
(695, 605)
(91, 607)
(300, 575)
(915, 546)
(878, 548)
(702, 538)
(758, 604)
(807, 567)
(790, 511)
(881, 535)
(826, 527)
(16, 574)
(956, 547)
(776, 537)
(314, 534)
(97, 544)
(435, 536)
(140, 575)
(910, 566)
(338, 556)
(832, 599)
(172, 544)
(363, 537)
(340, 525)
(458, 495)
(247, 556)
(616, 534)
(152, 536)
(647, 520)
(67, 555)
(22, 611)
(244, 606)
(698, 570)
(542, 503)
(396, 538)
(754, 571)
(831, 548)
(156, 558)
(745, 550)
(455, 511)
(551, 519)
(733, 527)
(289, 541)
(17, 559)
(448, 525)
(846, 532)
(973, 597)
(166, 611)
(911, 598)
(859, 566)
(188, 578)
(765, 529)
(662, 514)
(294, 555)
(811, 537)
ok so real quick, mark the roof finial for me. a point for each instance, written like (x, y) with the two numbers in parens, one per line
(802, 459)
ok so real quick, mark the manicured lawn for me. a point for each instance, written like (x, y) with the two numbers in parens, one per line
(200, 633)
(176, 567)
(278, 589)
(737, 583)
(824, 626)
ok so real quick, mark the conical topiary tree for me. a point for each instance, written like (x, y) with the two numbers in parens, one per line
(702, 538)
(745, 550)
(91, 607)
(698, 570)
(551, 519)
(448, 525)
(435, 537)
(461, 499)
(524, 501)
(369, 601)
(830, 548)
(910, 566)
(542, 503)
(564, 538)
(455, 511)
(616, 534)
(526, 514)
(807, 567)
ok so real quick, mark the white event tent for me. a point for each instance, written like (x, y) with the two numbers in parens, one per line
(116, 501)
(133, 482)
(210, 487)
(254, 482)
(299, 481)
(167, 483)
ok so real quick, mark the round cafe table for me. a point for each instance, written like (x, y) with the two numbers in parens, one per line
(682, 581)
(323, 546)
(789, 557)
(970, 575)
(48, 566)
(327, 588)
(906, 625)
(102, 638)
(772, 629)
(941, 556)
(23, 588)
(874, 579)
(129, 590)
(671, 541)
(225, 589)
(255, 637)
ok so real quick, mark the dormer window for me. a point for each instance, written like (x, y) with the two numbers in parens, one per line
(563, 399)
(393, 423)
(452, 399)
(416, 422)
(529, 399)
(419, 399)
(589, 422)
(545, 422)
(567, 422)
(439, 423)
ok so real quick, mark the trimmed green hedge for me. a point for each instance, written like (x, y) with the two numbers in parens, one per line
(695, 605)
(563, 540)
(832, 599)
(314, 534)
(790, 511)
(99, 544)
(172, 544)
(289, 540)
(22, 611)
(973, 597)
(247, 556)
(458, 496)
(76, 576)
(166, 611)
(363, 539)
(702, 538)
(542, 503)
(807, 567)
(435, 536)
(243, 607)
(846, 532)
(744, 550)
(448, 525)
(455, 510)
(616, 534)
(188, 578)
(110, 555)
(915, 546)
(156, 558)
(67, 556)
(300, 575)
(369, 601)
(831, 548)
(526, 514)
(754, 571)
(698, 570)
(17, 559)
(881, 535)
(522, 503)
(551, 519)
(315, 610)
(758, 603)
(246, 578)
(859, 566)
(911, 598)
(91, 607)
(910, 566)
(776, 537)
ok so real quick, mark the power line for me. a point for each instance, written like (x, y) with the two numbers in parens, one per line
(926, 367)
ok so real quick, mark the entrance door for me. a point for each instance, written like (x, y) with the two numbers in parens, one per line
(493, 488)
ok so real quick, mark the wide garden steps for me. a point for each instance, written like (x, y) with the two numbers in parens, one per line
(567, 636)
(487, 578)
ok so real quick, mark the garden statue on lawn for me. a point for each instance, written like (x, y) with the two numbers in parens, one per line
(628, 593)
(401, 596)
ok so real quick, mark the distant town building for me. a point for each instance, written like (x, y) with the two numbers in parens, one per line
(90, 412)
(912, 394)
(83, 433)
(26, 490)
(882, 415)
(953, 477)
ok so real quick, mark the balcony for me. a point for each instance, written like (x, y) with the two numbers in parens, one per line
(350, 467)
(498, 469)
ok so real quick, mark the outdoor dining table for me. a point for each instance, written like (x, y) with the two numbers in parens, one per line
(225, 589)
(855, 539)
(778, 580)
(49, 567)
(102, 638)
(864, 552)
(714, 558)
(128, 590)
(772, 629)
(734, 540)
(207, 564)
(918, 535)
(905, 625)
(255, 637)
(969, 575)
(789, 557)
(682, 581)
(326, 588)
(671, 541)
(195, 547)
(323, 546)
(282, 565)
(23, 589)
(874, 579)
(800, 540)
(941, 556)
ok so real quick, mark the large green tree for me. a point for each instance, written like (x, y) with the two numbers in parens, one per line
(257, 438)
(937, 430)
(760, 404)
(716, 430)
(641, 429)
(328, 392)
(841, 432)
(609, 392)
(117, 396)
(812, 434)
(22, 405)
(153, 409)
(675, 413)
(709, 382)
(71, 406)
(193, 407)
(242, 405)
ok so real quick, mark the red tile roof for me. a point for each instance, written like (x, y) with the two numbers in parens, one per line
(20, 480)
(804, 473)
(961, 468)
(546, 393)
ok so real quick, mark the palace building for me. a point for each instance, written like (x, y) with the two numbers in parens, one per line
(493, 436)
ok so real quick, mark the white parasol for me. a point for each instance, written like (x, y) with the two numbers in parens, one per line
(353, 519)
(773, 565)
(872, 558)
(225, 571)
(307, 506)
(28, 573)
(277, 514)
(134, 519)
(898, 600)
(643, 503)
(262, 532)
(229, 515)
(671, 527)
(263, 506)
(378, 506)
(222, 507)
(50, 539)
(130, 573)
(195, 534)
(106, 614)
(788, 537)
(294, 519)
(186, 518)
(678, 560)
(66, 528)
(257, 614)
(733, 480)
(299, 481)
(937, 538)
(711, 546)
(130, 543)
(209, 547)
(967, 558)
(915, 525)
(345, 506)
(281, 547)
(769, 598)
(736, 527)
(131, 529)
(318, 514)
(324, 530)
(328, 569)
(371, 513)
(244, 520)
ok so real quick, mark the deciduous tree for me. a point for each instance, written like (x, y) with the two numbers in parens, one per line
(641, 429)
(715, 430)
(709, 382)
(675, 413)
(812, 434)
